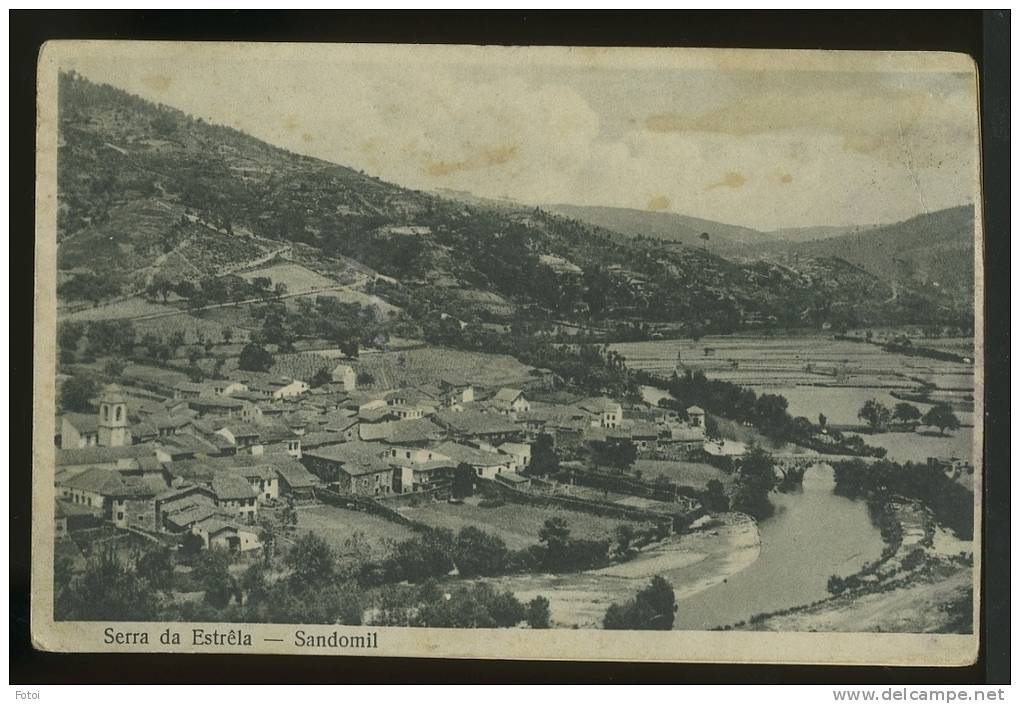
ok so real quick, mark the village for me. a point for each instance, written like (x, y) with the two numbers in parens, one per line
(212, 455)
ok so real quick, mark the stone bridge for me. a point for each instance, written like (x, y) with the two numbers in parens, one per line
(801, 461)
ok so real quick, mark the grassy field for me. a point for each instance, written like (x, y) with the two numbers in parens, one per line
(516, 524)
(295, 277)
(427, 366)
(695, 474)
(335, 525)
(128, 308)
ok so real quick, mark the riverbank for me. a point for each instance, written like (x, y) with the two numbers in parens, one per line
(705, 557)
(922, 584)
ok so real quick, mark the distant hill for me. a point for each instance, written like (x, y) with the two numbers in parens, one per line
(822, 232)
(933, 250)
(671, 227)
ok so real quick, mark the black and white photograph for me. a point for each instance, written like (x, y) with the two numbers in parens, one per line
(477, 351)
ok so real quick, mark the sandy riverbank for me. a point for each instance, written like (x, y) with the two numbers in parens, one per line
(929, 605)
(934, 597)
(691, 563)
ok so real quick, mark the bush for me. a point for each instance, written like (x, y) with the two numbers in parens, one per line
(537, 613)
(652, 609)
(491, 503)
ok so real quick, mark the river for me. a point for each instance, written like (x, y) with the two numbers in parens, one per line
(813, 534)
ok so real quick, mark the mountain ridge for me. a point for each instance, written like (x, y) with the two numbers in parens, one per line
(147, 191)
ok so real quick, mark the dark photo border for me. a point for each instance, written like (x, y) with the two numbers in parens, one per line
(984, 35)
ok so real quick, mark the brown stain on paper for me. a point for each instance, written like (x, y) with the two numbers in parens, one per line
(157, 81)
(732, 179)
(482, 159)
(659, 203)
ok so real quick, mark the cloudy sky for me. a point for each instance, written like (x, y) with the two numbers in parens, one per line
(749, 139)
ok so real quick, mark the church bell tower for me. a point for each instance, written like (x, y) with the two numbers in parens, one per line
(113, 422)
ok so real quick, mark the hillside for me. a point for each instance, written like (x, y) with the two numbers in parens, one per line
(671, 227)
(149, 193)
(930, 251)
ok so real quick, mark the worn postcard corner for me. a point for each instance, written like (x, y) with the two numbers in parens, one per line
(518, 353)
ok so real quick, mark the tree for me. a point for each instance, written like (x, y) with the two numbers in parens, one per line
(714, 497)
(320, 378)
(212, 571)
(756, 479)
(537, 613)
(544, 460)
(477, 553)
(652, 609)
(191, 546)
(108, 337)
(107, 591)
(228, 335)
(875, 415)
(555, 536)
(822, 421)
(157, 568)
(463, 481)
(255, 359)
(262, 285)
(365, 379)
(311, 560)
(624, 537)
(76, 394)
(942, 417)
(712, 428)
(618, 453)
(906, 413)
(68, 337)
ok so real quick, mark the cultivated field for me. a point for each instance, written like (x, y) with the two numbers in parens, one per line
(192, 327)
(517, 524)
(427, 366)
(301, 365)
(335, 525)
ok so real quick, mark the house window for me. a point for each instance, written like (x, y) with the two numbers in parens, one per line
(120, 409)
(120, 515)
(106, 413)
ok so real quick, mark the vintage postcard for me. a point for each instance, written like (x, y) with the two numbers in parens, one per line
(508, 352)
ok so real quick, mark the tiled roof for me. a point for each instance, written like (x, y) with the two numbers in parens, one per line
(474, 423)
(108, 482)
(402, 431)
(601, 404)
(192, 514)
(83, 422)
(191, 386)
(295, 474)
(507, 395)
(355, 457)
(102, 455)
(231, 485)
(470, 455)
(258, 471)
